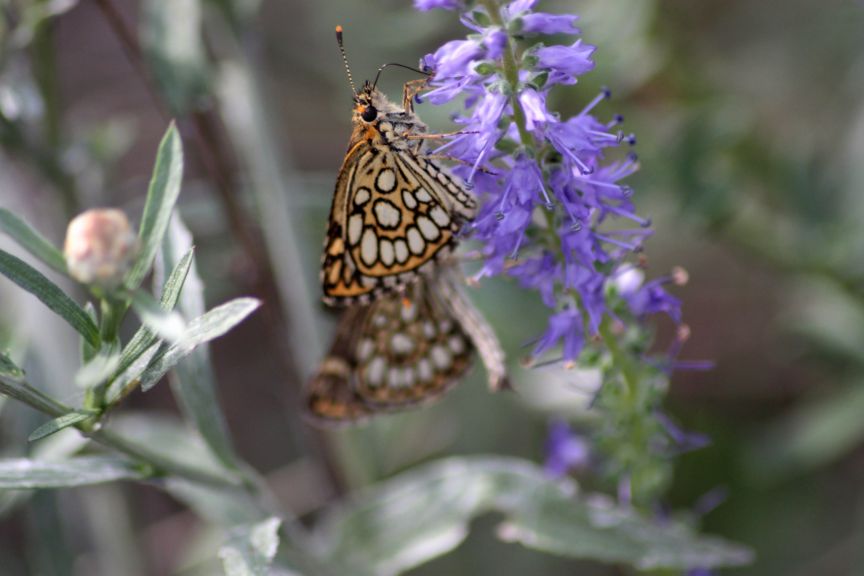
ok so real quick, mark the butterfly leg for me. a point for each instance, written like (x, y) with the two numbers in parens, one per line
(458, 161)
(410, 90)
(440, 136)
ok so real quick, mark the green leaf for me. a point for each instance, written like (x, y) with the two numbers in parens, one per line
(144, 339)
(425, 513)
(9, 369)
(23, 473)
(34, 15)
(58, 424)
(34, 282)
(100, 368)
(161, 198)
(13, 385)
(250, 549)
(210, 326)
(166, 324)
(816, 434)
(192, 381)
(171, 39)
(31, 240)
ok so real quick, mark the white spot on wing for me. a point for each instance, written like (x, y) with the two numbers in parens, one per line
(387, 214)
(394, 378)
(408, 376)
(365, 349)
(355, 227)
(429, 330)
(409, 312)
(415, 241)
(386, 180)
(369, 247)
(409, 200)
(401, 251)
(439, 215)
(428, 228)
(441, 357)
(385, 249)
(401, 344)
(422, 195)
(424, 370)
(362, 196)
(457, 344)
(375, 371)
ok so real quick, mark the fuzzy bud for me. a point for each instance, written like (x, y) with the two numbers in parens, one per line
(100, 246)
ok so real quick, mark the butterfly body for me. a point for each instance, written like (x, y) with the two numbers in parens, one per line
(395, 211)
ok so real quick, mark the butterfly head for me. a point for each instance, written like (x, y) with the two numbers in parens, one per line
(370, 105)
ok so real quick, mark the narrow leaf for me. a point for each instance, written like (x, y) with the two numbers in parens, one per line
(9, 369)
(100, 368)
(171, 39)
(811, 436)
(425, 513)
(161, 198)
(50, 294)
(58, 424)
(166, 324)
(250, 549)
(210, 326)
(13, 385)
(144, 339)
(29, 239)
(23, 473)
(192, 381)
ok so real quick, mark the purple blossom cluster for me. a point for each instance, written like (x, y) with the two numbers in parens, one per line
(556, 213)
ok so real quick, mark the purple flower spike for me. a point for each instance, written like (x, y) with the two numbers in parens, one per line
(557, 215)
(565, 451)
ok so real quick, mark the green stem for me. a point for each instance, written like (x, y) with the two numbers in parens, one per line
(511, 74)
(161, 465)
(619, 357)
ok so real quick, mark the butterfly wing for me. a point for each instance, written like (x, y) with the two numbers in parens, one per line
(393, 213)
(398, 351)
(410, 349)
(329, 394)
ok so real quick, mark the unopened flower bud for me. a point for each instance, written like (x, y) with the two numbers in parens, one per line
(680, 276)
(100, 246)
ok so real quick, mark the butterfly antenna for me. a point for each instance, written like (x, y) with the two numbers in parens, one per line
(381, 69)
(345, 58)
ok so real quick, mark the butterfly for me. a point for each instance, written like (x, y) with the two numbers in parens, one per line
(401, 350)
(395, 211)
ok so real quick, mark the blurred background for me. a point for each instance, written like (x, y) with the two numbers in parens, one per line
(750, 122)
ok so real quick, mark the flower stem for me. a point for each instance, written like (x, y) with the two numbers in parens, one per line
(160, 465)
(619, 357)
(511, 73)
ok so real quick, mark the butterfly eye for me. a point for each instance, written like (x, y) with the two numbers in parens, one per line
(369, 114)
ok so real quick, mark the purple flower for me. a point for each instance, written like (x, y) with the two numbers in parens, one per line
(565, 63)
(565, 451)
(426, 5)
(564, 327)
(540, 23)
(684, 441)
(557, 215)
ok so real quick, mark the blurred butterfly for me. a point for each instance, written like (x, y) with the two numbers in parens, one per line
(402, 350)
(395, 211)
